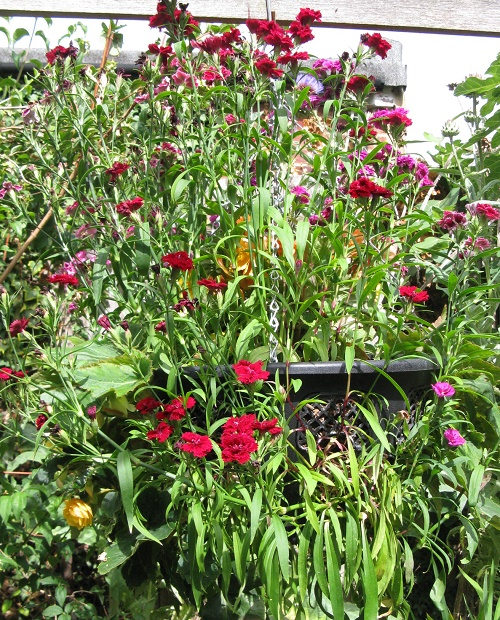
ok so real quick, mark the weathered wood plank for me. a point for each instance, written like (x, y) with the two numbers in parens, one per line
(481, 17)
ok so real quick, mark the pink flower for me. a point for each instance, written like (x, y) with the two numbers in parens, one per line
(451, 220)
(453, 437)
(92, 412)
(301, 193)
(390, 118)
(443, 389)
(487, 211)
(249, 373)
(197, 445)
(18, 326)
(104, 322)
(180, 77)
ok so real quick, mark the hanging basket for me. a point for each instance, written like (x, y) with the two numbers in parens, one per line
(331, 406)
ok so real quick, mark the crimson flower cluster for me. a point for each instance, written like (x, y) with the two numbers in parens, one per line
(366, 188)
(413, 294)
(7, 374)
(376, 43)
(60, 53)
(178, 260)
(129, 206)
(237, 439)
(283, 41)
(116, 170)
(65, 279)
(18, 326)
(164, 17)
(249, 373)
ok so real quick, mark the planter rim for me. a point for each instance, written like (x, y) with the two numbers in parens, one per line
(415, 364)
(373, 367)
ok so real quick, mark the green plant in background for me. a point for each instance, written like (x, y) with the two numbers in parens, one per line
(230, 207)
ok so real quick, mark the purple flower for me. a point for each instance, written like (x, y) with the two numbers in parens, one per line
(301, 193)
(453, 437)
(306, 79)
(103, 321)
(451, 220)
(443, 389)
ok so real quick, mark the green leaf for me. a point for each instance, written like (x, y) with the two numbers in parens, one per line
(333, 571)
(476, 479)
(282, 546)
(303, 561)
(255, 511)
(246, 337)
(19, 34)
(126, 482)
(369, 581)
(52, 611)
(99, 273)
(301, 235)
(119, 375)
(179, 186)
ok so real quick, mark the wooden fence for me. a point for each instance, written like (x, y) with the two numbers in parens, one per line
(478, 17)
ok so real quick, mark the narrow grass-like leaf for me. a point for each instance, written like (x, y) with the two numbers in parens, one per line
(369, 581)
(126, 482)
(336, 595)
(319, 563)
(303, 559)
(282, 547)
(255, 511)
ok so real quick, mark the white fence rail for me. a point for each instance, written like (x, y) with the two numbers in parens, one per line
(479, 17)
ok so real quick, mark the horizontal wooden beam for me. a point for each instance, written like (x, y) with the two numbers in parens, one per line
(481, 17)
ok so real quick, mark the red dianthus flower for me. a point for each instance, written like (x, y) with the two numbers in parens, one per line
(248, 372)
(197, 445)
(376, 43)
(64, 278)
(366, 188)
(178, 260)
(128, 206)
(413, 294)
(212, 285)
(267, 67)
(237, 447)
(116, 170)
(18, 326)
(147, 405)
(162, 432)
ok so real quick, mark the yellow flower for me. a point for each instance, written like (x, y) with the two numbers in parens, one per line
(77, 513)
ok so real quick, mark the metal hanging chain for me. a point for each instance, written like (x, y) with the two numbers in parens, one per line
(277, 201)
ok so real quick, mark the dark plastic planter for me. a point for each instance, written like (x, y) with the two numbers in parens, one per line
(335, 417)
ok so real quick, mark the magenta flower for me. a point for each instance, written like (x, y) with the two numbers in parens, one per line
(453, 437)
(443, 389)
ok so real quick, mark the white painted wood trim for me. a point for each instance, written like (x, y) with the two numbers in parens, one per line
(480, 17)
